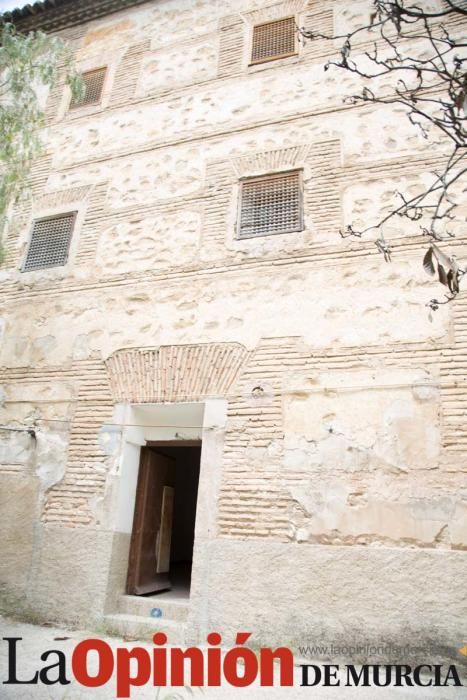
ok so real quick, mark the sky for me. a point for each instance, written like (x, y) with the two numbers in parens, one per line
(12, 4)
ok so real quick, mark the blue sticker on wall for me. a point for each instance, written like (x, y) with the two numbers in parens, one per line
(156, 612)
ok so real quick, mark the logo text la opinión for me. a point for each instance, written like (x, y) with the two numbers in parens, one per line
(240, 667)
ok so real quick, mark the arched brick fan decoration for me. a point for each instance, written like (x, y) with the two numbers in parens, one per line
(173, 373)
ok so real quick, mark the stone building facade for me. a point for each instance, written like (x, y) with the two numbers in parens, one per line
(330, 409)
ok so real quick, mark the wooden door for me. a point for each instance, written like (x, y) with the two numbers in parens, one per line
(149, 561)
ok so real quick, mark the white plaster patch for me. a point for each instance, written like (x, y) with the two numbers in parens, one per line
(51, 457)
(375, 414)
(16, 448)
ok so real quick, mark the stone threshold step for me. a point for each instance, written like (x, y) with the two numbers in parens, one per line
(170, 608)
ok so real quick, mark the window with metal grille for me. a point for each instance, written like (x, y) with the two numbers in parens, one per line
(50, 242)
(93, 83)
(271, 204)
(274, 40)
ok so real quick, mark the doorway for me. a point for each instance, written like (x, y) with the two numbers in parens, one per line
(163, 533)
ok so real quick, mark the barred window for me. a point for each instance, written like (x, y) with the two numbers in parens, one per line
(274, 40)
(93, 83)
(271, 204)
(50, 242)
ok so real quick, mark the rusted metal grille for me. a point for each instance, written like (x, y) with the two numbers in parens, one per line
(274, 40)
(271, 204)
(50, 242)
(93, 83)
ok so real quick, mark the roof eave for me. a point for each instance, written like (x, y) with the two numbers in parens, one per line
(53, 15)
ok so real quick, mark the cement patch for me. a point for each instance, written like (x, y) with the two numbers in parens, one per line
(293, 594)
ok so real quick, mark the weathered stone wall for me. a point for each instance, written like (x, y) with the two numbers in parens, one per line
(346, 402)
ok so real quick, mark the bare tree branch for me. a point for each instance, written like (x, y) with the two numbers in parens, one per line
(424, 51)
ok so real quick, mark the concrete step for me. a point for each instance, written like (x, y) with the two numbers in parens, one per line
(171, 609)
(134, 627)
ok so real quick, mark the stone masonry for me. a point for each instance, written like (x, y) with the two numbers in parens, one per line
(340, 510)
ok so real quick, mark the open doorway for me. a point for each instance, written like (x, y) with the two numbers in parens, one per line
(162, 540)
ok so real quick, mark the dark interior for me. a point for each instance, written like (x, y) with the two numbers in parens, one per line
(187, 466)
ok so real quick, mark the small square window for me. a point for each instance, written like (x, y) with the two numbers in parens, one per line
(50, 242)
(274, 40)
(93, 83)
(271, 204)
